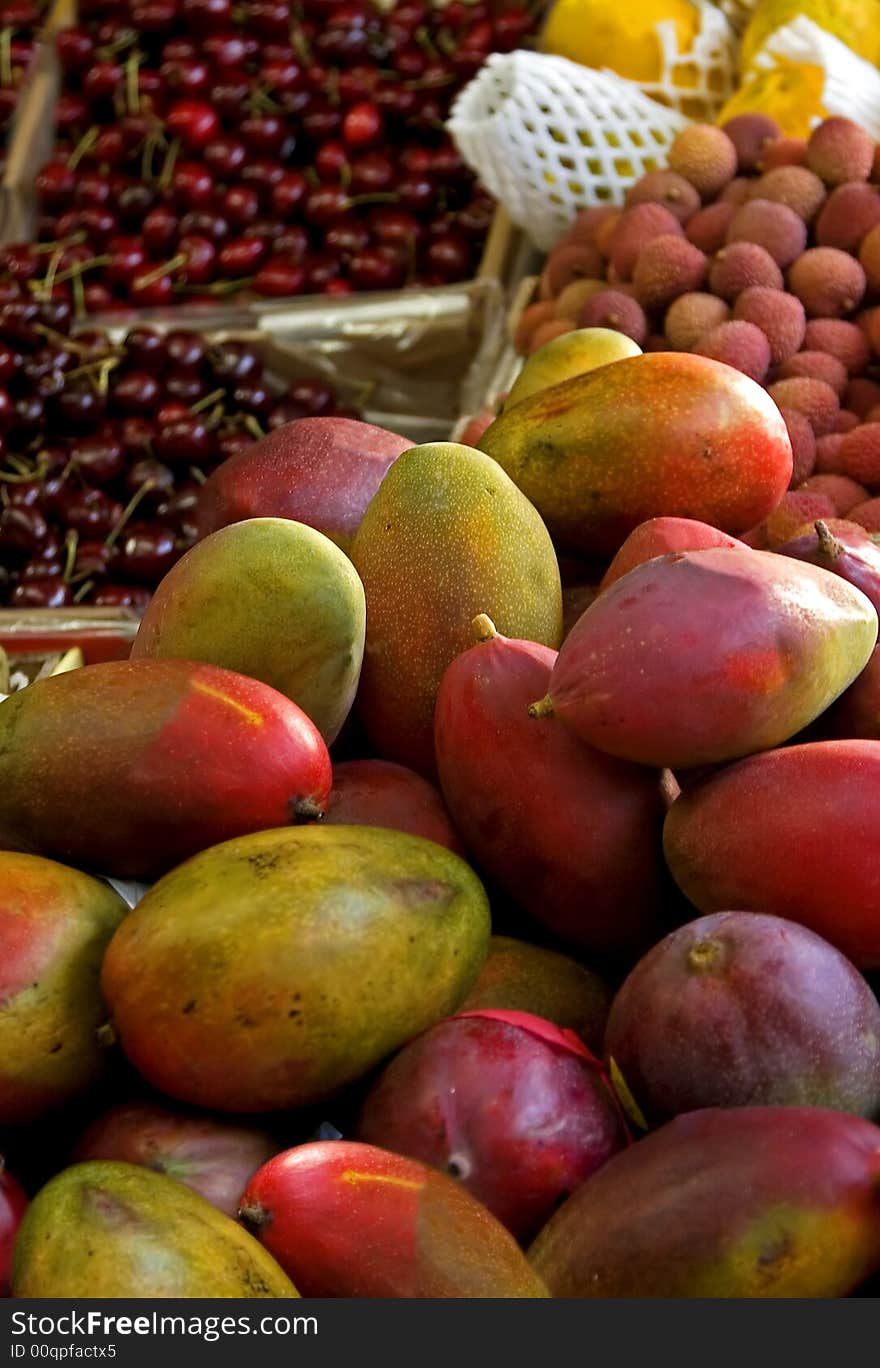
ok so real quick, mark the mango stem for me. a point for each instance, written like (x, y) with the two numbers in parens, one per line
(543, 707)
(253, 1217)
(305, 810)
(483, 628)
(828, 544)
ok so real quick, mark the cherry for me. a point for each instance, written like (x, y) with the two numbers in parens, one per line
(147, 552)
(331, 161)
(109, 149)
(205, 223)
(346, 237)
(10, 364)
(151, 292)
(338, 286)
(373, 270)
(322, 120)
(233, 444)
(280, 276)
(396, 226)
(325, 204)
(159, 476)
(120, 596)
(71, 112)
(145, 349)
(99, 224)
(416, 192)
(51, 591)
(97, 298)
(187, 441)
(241, 205)
(283, 412)
(321, 268)
(263, 174)
(186, 75)
(75, 49)
(362, 124)
(154, 16)
(55, 184)
(289, 192)
(171, 410)
(23, 530)
(371, 173)
(314, 396)
(292, 242)
(200, 256)
(40, 568)
(91, 513)
(509, 28)
(30, 413)
(185, 349)
(228, 50)
(94, 559)
(195, 123)
(127, 256)
(134, 203)
(99, 459)
(269, 18)
(17, 319)
(243, 256)
(230, 96)
(269, 135)
(102, 79)
(136, 392)
(449, 256)
(234, 361)
(160, 229)
(179, 49)
(225, 155)
(192, 184)
(206, 16)
(253, 397)
(357, 83)
(137, 436)
(283, 74)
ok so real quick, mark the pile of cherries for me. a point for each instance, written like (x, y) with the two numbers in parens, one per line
(217, 146)
(100, 514)
(19, 24)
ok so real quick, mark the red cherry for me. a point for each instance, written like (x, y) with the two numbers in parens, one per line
(357, 83)
(282, 74)
(127, 256)
(372, 173)
(194, 122)
(449, 256)
(372, 269)
(153, 16)
(152, 294)
(325, 205)
(242, 256)
(225, 155)
(315, 396)
(102, 79)
(50, 591)
(136, 392)
(55, 184)
(160, 229)
(192, 185)
(362, 124)
(292, 243)
(185, 76)
(185, 348)
(288, 193)
(75, 48)
(269, 18)
(280, 277)
(99, 459)
(228, 50)
(346, 237)
(120, 596)
(200, 257)
(147, 552)
(206, 16)
(331, 161)
(268, 135)
(137, 436)
(186, 441)
(71, 113)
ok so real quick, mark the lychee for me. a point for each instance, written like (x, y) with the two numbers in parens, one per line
(780, 317)
(740, 266)
(839, 338)
(803, 445)
(635, 228)
(545, 332)
(568, 262)
(847, 216)
(860, 454)
(796, 508)
(749, 134)
(570, 300)
(843, 492)
(783, 152)
(740, 345)
(816, 400)
(846, 420)
(665, 187)
(816, 365)
(839, 150)
(828, 454)
(612, 309)
(866, 514)
(774, 227)
(708, 227)
(828, 282)
(738, 192)
(530, 319)
(869, 256)
(795, 187)
(861, 396)
(690, 317)
(667, 267)
(705, 156)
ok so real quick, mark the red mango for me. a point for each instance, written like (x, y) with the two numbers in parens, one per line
(383, 793)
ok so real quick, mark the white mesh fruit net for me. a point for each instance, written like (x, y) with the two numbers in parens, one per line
(696, 80)
(738, 12)
(549, 137)
(852, 85)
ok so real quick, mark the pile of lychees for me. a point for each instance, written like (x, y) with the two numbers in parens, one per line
(762, 252)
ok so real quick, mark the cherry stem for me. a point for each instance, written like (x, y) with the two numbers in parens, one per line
(208, 400)
(198, 475)
(151, 277)
(168, 165)
(130, 507)
(83, 589)
(71, 542)
(253, 427)
(85, 144)
(6, 56)
(132, 88)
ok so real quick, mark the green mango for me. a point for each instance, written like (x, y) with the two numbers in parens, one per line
(447, 536)
(268, 598)
(108, 1229)
(269, 972)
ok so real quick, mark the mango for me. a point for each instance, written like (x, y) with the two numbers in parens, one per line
(741, 1009)
(109, 1229)
(573, 835)
(575, 353)
(794, 832)
(273, 970)
(318, 471)
(747, 1202)
(55, 924)
(699, 657)
(128, 768)
(659, 537)
(856, 714)
(271, 599)
(664, 434)
(447, 536)
(521, 977)
(546, 1124)
(212, 1156)
(853, 557)
(380, 793)
(351, 1220)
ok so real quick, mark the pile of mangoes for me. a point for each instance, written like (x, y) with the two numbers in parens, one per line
(510, 830)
